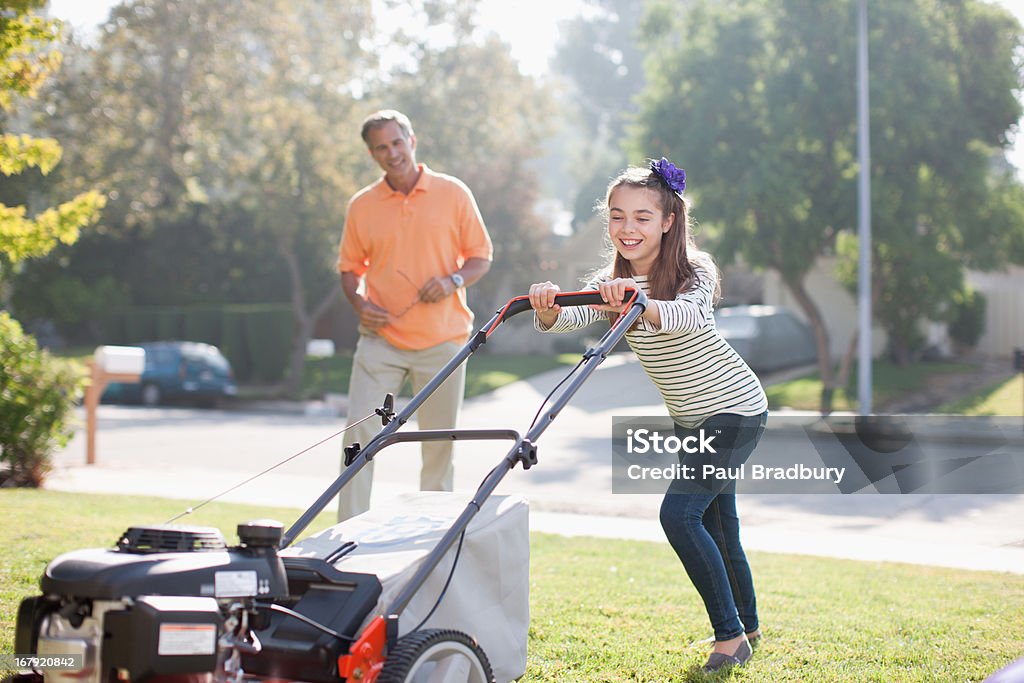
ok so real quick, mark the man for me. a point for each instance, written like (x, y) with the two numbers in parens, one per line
(415, 241)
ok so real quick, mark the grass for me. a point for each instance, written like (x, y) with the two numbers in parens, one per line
(606, 610)
(484, 372)
(889, 381)
(1002, 398)
(625, 611)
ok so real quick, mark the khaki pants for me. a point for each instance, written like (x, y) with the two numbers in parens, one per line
(379, 368)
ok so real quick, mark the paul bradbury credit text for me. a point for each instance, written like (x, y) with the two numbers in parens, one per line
(744, 471)
(798, 453)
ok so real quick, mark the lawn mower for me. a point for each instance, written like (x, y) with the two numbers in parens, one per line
(370, 599)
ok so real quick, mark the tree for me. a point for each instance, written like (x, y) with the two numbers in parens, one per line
(138, 113)
(756, 98)
(481, 120)
(25, 62)
(223, 135)
(292, 167)
(600, 57)
(229, 143)
(942, 203)
(37, 392)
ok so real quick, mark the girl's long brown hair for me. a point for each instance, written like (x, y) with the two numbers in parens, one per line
(673, 269)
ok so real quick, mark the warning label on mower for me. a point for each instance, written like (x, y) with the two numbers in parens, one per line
(234, 584)
(187, 639)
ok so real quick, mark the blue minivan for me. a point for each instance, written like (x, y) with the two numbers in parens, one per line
(176, 371)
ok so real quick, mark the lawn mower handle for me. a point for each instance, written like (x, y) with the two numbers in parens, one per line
(636, 303)
(584, 298)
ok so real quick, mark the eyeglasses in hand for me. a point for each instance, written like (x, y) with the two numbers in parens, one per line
(419, 291)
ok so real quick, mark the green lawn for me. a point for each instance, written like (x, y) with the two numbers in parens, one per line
(888, 382)
(1003, 398)
(604, 610)
(484, 372)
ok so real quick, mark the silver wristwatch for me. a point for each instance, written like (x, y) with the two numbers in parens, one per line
(458, 280)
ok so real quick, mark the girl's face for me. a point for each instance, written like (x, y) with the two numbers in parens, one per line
(636, 225)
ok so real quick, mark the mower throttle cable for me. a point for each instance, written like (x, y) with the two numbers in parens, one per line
(189, 511)
(274, 607)
(448, 582)
(552, 392)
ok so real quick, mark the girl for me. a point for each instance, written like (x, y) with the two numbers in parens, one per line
(704, 382)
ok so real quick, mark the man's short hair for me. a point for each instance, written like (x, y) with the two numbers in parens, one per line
(382, 118)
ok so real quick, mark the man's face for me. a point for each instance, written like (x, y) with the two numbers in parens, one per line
(392, 151)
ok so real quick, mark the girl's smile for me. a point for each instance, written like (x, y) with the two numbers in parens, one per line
(636, 225)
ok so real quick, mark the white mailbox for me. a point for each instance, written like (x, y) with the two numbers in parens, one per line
(120, 360)
(108, 364)
(320, 348)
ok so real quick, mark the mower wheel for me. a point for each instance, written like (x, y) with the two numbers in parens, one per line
(436, 656)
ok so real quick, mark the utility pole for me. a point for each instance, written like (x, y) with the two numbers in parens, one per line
(864, 215)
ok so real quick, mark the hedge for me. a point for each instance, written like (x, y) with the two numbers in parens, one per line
(170, 324)
(268, 334)
(256, 338)
(203, 324)
(140, 325)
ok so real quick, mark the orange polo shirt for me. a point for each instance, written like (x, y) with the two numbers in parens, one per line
(398, 242)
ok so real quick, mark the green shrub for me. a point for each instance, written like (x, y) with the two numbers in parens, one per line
(967, 322)
(37, 395)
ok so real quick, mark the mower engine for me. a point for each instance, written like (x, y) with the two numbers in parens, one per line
(167, 601)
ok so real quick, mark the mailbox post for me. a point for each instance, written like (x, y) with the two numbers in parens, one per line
(1018, 365)
(108, 364)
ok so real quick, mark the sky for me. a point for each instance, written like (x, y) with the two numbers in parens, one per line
(529, 26)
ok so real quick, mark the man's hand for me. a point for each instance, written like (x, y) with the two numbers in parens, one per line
(437, 289)
(372, 316)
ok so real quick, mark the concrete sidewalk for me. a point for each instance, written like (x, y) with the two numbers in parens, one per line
(194, 455)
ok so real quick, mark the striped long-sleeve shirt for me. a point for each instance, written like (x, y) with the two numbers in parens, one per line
(694, 368)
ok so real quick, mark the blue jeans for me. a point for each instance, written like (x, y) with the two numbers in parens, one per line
(704, 528)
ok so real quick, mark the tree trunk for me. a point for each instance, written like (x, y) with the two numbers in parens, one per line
(846, 363)
(821, 340)
(305, 321)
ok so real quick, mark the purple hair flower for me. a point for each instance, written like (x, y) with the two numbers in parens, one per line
(674, 177)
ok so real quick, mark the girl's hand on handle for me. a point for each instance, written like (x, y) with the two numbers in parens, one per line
(542, 299)
(614, 293)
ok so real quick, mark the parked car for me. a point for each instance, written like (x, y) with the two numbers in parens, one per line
(178, 370)
(767, 337)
